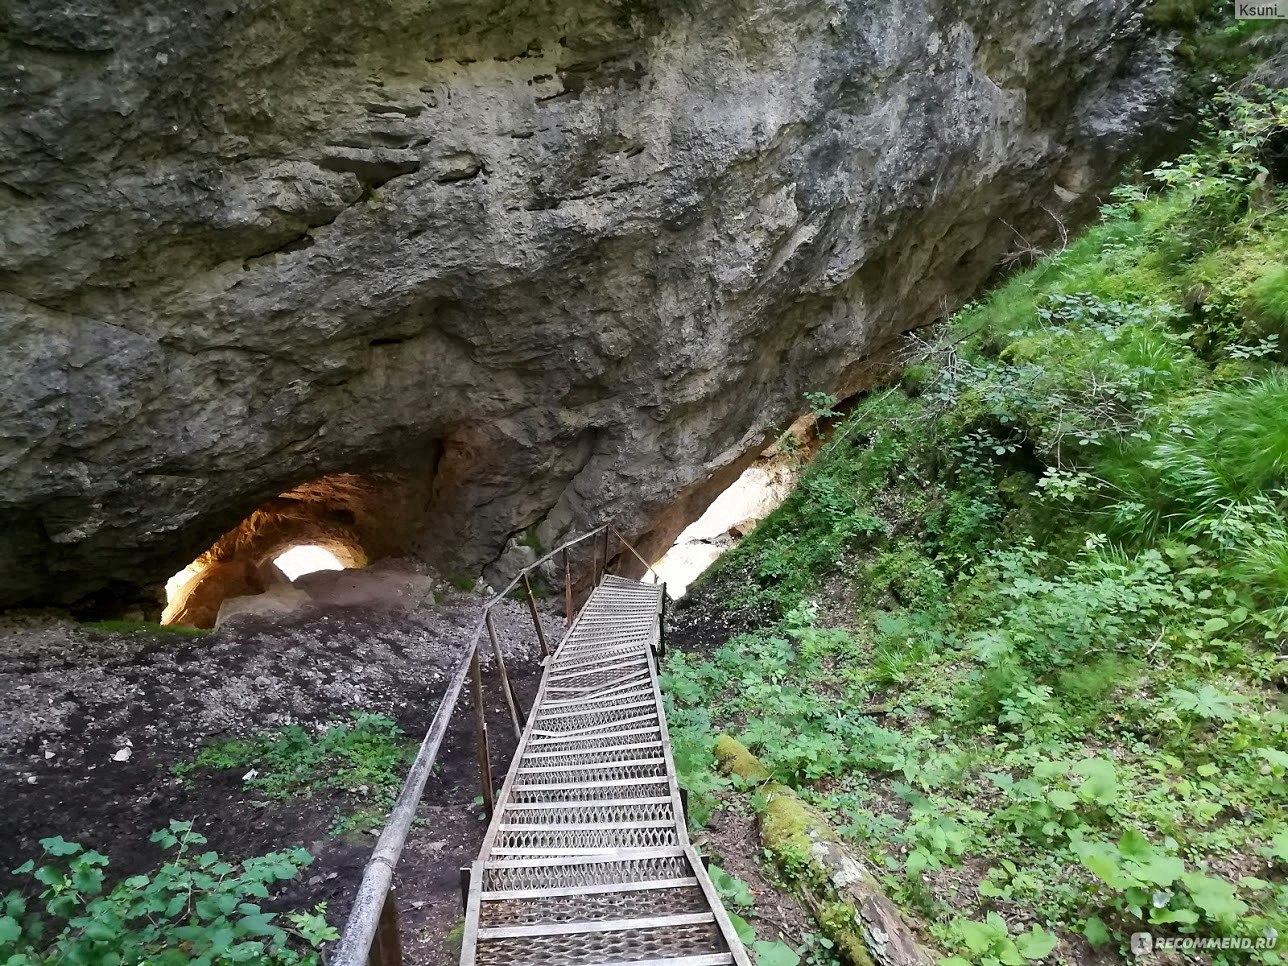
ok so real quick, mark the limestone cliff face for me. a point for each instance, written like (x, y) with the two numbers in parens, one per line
(551, 259)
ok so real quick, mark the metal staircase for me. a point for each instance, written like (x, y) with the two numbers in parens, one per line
(587, 859)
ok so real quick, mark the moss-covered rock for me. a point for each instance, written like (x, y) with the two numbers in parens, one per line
(735, 759)
(847, 901)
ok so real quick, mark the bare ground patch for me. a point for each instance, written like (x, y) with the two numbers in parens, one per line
(91, 722)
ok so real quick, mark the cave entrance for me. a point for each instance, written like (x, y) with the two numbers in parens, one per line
(344, 521)
(736, 511)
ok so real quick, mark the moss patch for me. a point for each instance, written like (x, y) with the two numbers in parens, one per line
(735, 759)
(145, 627)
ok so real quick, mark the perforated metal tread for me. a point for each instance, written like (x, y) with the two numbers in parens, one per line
(587, 860)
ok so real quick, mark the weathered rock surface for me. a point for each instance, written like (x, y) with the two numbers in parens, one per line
(278, 602)
(556, 260)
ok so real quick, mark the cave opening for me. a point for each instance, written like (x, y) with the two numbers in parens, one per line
(736, 510)
(284, 548)
(306, 558)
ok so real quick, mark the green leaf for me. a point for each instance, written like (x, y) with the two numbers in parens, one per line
(1215, 624)
(1100, 780)
(774, 954)
(1096, 932)
(1133, 845)
(731, 888)
(1214, 897)
(50, 876)
(1062, 799)
(979, 937)
(88, 879)
(10, 929)
(746, 934)
(1279, 846)
(59, 846)
(989, 890)
(1186, 917)
(1037, 943)
(1276, 759)
(24, 868)
(14, 905)
(1207, 702)
(62, 906)
(1101, 860)
(1160, 870)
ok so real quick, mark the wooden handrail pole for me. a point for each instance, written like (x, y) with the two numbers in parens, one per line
(511, 698)
(648, 568)
(567, 588)
(480, 734)
(386, 950)
(536, 618)
(627, 547)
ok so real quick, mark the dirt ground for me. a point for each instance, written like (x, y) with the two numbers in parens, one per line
(732, 842)
(90, 723)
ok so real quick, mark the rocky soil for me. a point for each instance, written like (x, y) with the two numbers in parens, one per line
(90, 723)
(494, 267)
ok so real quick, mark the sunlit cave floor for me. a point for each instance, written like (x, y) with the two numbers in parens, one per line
(71, 698)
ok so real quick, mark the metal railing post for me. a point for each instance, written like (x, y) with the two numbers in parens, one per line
(386, 948)
(480, 734)
(511, 698)
(536, 618)
(567, 588)
(661, 625)
(648, 568)
(466, 874)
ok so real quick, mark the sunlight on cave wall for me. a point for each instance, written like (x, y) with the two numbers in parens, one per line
(731, 516)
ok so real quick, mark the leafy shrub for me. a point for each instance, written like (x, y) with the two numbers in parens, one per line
(1222, 451)
(1153, 885)
(1268, 300)
(366, 756)
(1067, 531)
(991, 941)
(905, 574)
(196, 909)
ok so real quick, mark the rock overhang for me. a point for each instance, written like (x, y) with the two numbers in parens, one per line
(595, 253)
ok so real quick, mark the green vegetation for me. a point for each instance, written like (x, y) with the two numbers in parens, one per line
(364, 757)
(1214, 47)
(1047, 712)
(739, 901)
(145, 627)
(196, 909)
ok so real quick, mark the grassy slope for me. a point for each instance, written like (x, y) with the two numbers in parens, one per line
(1050, 695)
